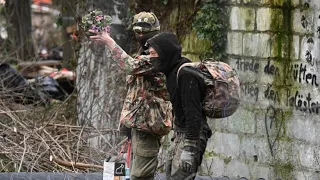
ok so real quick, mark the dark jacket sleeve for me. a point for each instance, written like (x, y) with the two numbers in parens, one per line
(191, 95)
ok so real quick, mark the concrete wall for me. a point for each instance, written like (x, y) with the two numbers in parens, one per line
(275, 47)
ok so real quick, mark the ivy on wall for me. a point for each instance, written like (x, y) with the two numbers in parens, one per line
(211, 23)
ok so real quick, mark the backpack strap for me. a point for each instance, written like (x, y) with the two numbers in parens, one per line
(190, 70)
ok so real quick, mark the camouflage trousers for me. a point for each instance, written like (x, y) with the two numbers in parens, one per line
(173, 171)
(144, 159)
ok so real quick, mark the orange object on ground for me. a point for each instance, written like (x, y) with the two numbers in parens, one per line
(38, 2)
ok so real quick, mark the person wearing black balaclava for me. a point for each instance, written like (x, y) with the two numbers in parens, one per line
(147, 111)
(145, 26)
(186, 95)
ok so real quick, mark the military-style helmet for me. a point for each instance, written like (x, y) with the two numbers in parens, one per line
(145, 22)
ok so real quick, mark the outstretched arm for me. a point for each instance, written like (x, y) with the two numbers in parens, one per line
(134, 66)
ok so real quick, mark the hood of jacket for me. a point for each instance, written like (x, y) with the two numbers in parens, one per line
(169, 50)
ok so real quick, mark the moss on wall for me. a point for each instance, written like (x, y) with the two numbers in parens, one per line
(281, 48)
(209, 154)
(194, 47)
(283, 171)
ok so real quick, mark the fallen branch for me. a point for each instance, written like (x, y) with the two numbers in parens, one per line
(74, 164)
(80, 128)
(5, 112)
(29, 135)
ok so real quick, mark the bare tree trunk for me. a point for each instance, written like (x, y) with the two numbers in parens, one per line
(100, 83)
(68, 12)
(20, 30)
(95, 95)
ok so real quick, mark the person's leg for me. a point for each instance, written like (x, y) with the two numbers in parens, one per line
(205, 134)
(170, 155)
(176, 172)
(145, 148)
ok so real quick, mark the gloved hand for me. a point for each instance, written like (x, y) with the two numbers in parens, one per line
(188, 156)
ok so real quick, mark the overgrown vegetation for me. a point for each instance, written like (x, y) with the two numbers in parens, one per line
(37, 137)
(40, 139)
(211, 23)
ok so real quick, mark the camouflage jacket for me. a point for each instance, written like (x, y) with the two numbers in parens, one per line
(146, 106)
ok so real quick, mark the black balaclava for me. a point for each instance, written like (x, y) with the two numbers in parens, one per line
(143, 39)
(169, 50)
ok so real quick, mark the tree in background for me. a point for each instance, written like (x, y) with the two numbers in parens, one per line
(18, 16)
(175, 15)
(100, 85)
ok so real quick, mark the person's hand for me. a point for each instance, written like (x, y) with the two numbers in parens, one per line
(102, 37)
(188, 155)
(187, 161)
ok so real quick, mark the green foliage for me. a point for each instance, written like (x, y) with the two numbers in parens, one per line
(59, 21)
(211, 23)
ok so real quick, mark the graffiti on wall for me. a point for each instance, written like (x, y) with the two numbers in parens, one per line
(272, 94)
(274, 125)
(285, 87)
(245, 66)
(295, 73)
(318, 28)
(310, 23)
(250, 89)
(302, 102)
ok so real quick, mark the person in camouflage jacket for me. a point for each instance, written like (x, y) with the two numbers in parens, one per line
(147, 109)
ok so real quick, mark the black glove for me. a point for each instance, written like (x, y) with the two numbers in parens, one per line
(188, 155)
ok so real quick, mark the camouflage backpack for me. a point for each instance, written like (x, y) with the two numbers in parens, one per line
(221, 85)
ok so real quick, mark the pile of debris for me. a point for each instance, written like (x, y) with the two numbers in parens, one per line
(37, 89)
(38, 131)
(42, 139)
